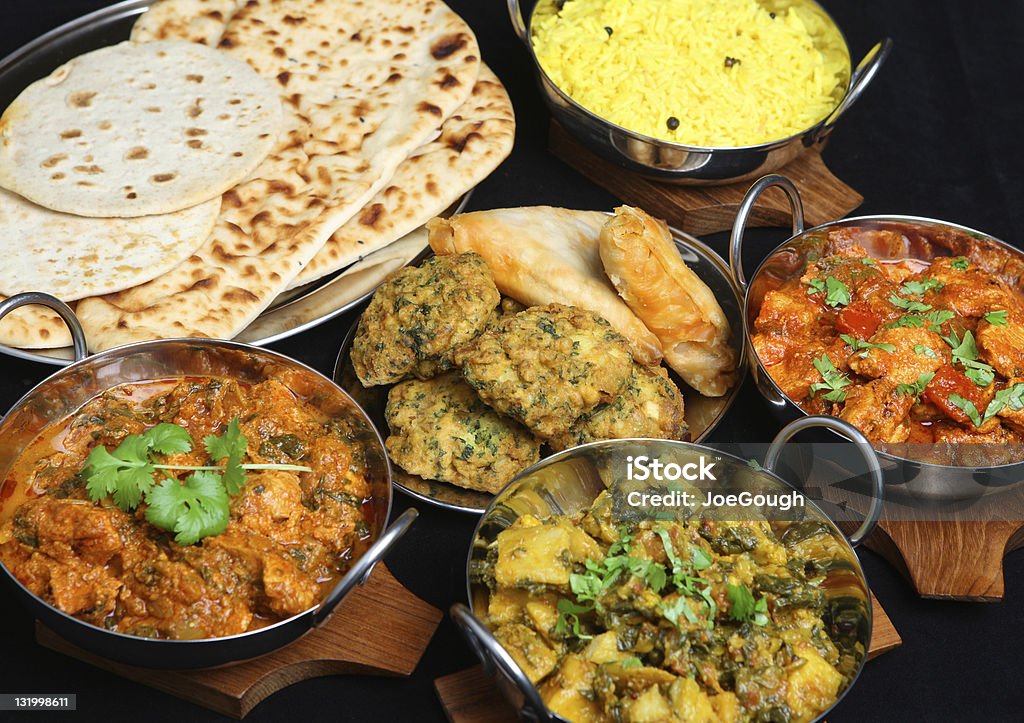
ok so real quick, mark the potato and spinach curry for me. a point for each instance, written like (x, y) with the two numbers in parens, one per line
(187, 508)
(682, 620)
(908, 351)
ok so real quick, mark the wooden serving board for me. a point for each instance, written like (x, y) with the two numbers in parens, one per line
(379, 629)
(470, 696)
(956, 554)
(700, 210)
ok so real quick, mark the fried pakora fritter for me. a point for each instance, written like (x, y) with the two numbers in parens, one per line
(441, 430)
(651, 406)
(420, 315)
(547, 366)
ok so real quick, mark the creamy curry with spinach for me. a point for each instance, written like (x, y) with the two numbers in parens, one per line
(249, 506)
(685, 620)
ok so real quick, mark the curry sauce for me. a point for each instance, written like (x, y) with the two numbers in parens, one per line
(290, 537)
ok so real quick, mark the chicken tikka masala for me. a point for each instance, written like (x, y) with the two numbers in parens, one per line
(187, 508)
(908, 351)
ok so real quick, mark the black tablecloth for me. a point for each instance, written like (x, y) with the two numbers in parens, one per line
(939, 134)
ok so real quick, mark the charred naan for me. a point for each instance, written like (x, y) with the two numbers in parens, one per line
(543, 255)
(472, 143)
(363, 85)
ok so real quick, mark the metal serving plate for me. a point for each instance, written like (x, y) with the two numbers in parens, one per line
(295, 310)
(703, 414)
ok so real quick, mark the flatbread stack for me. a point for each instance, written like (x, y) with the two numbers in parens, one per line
(176, 184)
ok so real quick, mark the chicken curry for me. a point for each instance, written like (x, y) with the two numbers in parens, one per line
(907, 351)
(187, 508)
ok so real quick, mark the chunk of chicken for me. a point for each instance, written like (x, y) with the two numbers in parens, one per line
(917, 352)
(1002, 346)
(969, 292)
(879, 411)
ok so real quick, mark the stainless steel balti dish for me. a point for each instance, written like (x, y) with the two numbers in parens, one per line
(691, 164)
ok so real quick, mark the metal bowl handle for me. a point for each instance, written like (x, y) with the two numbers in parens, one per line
(30, 298)
(360, 571)
(497, 663)
(739, 226)
(518, 25)
(862, 76)
(847, 430)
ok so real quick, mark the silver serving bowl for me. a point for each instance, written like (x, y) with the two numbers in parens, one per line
(916, 473)
(569, 482)
(64, 392)
(686, 164)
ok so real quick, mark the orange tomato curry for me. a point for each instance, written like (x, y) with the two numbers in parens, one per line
(907, 351)
(290, 536)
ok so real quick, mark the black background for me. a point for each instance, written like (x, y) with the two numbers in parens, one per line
(938, 134)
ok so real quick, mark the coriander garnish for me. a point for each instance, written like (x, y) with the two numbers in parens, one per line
(194, 508)
(913, 306)
(864, 346)
(917, 388)
(997, 318)
(834, 380)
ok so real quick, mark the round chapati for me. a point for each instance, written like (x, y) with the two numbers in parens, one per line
(138, 128)
(73, 257)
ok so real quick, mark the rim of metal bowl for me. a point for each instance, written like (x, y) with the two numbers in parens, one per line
(557, 457)
(140, 346)
(884, 218)
(766, 146)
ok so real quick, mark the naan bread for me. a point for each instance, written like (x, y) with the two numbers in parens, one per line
(472, 143)
(73, 257)
(355, 107)
(34, 327)
(542, 255)
(644, 264)
(138, 129)
(198, 21)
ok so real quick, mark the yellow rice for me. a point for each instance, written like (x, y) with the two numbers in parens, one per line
(726, 70)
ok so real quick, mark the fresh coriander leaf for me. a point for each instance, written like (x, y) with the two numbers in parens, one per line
(913, 306)
(701, 559)
(934, 318)
(981, 375)
(761, 612)
(670, 552)
(650, 571)
(741, 602)
(921, 287)
(679, 607)
(967, 407)
(836, 292)
(868, 261)
(834, 380)
(960, 263)
(230, 447)
(631, 662)
(917, 388)
(997, 318)
(166, 438)
(585, 587)
(926, 350)
(196, 509)
(864, 346)
(815, 286)
(125, 474)
(230, 444)
(568, 618)
(101, 472)
(1012, 397)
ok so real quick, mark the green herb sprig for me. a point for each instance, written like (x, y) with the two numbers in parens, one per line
(909, 305)
(1012, 397)
(921, 287)
(865, 346)
(917, 388)
(997, 318)
(743, 608)
(834, 382)
(194, 508)
(965, 351)
(935, 319)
